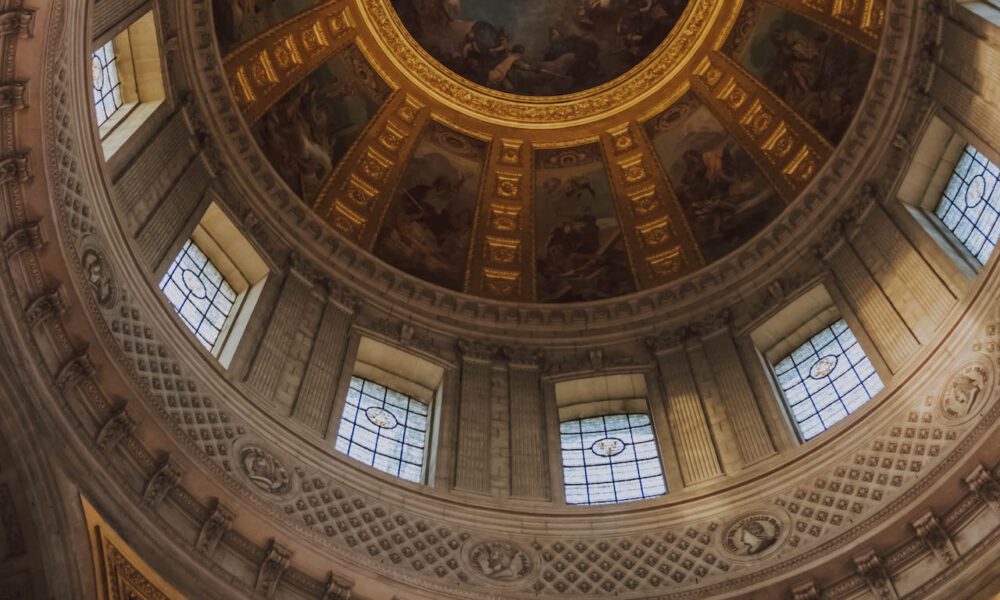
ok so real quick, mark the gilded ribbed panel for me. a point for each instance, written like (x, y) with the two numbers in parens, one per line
(273, 348)
(692, 438)
(752, 438)
(883, 324)
(528, 464)
(472, 468)
(316, 396)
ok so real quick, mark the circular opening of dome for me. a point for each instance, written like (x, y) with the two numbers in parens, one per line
(540, 48)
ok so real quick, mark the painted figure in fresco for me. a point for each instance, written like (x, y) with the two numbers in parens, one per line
(429, 231)
(297, 137)
(821, 75)
(724, 192)
(539, 47)
(583, 257)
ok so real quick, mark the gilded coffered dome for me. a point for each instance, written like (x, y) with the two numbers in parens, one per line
(499, 300)
(550, 151)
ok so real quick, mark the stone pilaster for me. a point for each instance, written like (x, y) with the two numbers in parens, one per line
(157, 234)
(110, 15)
(752, 437)
(316, 395)
(887, 330)
(472, 461)
(914, 290)
(271, 354)
(529, 464)
(718, 417)
(693, 442)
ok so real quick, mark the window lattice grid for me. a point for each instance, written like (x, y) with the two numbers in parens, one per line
(106, 83)
(199, 293)
(970, 205)
(826, 379)
(610, 459)
(384, 429)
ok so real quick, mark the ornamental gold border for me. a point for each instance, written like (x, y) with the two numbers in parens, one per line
(705, 25)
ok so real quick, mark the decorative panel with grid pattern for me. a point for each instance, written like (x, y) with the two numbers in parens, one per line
(107, 85)
(199, 293)
(611, 459)
(384, 429)
(826, 379)
(970, 206)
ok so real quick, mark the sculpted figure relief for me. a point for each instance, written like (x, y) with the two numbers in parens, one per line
(264, 470)
(499, 561)
(965, 392)
(753, 535)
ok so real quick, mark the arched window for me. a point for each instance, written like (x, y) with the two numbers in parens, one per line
(609, 449)
(970, 204)
(821, 369)
(826, 378)
(611, 458)
(127, 81)
(388, 419)
(213, 283)
(384, 429)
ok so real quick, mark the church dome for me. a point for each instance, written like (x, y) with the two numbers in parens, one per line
(468, 299)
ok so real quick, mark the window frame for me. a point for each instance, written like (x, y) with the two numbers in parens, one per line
(345, 420)
(810, 396)
(949, 199)
(585, 468)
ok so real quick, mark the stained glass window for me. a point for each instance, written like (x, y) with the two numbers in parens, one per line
(199, 293)
(610, 459)
(384, 429)
(107, 85)
(970, 206)
(826, 379)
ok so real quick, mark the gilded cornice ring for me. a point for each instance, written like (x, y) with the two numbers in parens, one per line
(705, 26)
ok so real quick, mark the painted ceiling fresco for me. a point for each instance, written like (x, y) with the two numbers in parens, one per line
(237, 21)
(539, 47)
(604, 212)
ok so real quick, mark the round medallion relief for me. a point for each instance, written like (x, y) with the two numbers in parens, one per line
(967, 391)
(755, 535)
(99, 276)
(264, 470)
(499, 563)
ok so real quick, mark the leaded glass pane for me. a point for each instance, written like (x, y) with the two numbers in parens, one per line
(826, 379)
(384, 429)
(199, 294)
(610, 459)
(106, 83)
(970, 205)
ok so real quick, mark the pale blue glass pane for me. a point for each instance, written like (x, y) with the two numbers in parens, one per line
(386, 430)
(969, 206)
(832, 378)
(198, 292)
(617, 469)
